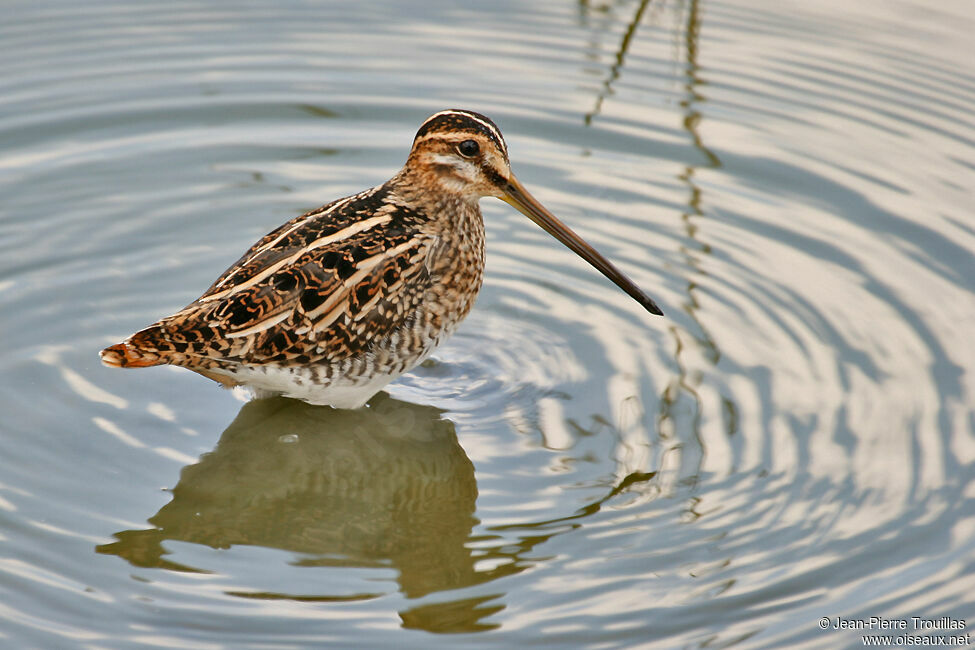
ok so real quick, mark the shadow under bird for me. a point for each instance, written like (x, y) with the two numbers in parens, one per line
(336, 303)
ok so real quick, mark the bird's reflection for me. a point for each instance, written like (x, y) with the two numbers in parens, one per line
(383, 486)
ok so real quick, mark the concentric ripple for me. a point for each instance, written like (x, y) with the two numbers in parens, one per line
(793, 440)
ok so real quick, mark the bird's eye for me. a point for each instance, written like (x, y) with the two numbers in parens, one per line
(468, 148)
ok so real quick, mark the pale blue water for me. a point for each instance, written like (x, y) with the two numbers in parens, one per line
(794, 440)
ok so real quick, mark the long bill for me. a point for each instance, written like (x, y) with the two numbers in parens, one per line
(516, 195)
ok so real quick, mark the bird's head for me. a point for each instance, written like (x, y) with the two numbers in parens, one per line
(462, 153)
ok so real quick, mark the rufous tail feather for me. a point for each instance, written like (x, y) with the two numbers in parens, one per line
(128, 354)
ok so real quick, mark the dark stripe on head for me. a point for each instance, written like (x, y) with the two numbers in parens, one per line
(459, 120)
(493, 176)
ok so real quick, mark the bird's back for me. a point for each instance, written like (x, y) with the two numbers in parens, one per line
(357, 290)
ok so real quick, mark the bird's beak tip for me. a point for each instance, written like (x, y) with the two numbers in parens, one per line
(515, 194)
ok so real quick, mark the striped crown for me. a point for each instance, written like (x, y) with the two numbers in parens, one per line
(456, 120)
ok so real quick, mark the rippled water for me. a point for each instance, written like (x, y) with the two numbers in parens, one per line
(794, 440)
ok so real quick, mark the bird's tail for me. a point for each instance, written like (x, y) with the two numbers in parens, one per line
(137, 351)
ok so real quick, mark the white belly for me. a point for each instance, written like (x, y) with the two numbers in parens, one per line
(301, 383)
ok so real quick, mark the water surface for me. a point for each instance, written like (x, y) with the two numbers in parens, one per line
(794, 440)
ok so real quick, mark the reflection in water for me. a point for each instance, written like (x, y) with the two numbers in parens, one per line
(627, 418)
(679, 420)
(685, 384)
(616, 68)
(387, 486)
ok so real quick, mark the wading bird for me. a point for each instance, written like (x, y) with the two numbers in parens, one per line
(335, 304)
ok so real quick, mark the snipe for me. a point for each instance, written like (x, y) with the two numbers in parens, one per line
(336, 303)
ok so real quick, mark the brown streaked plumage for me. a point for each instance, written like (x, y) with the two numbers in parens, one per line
(336, 303)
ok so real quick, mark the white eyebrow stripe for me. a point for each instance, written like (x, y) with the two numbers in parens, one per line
(490, 127)
(487, 125)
